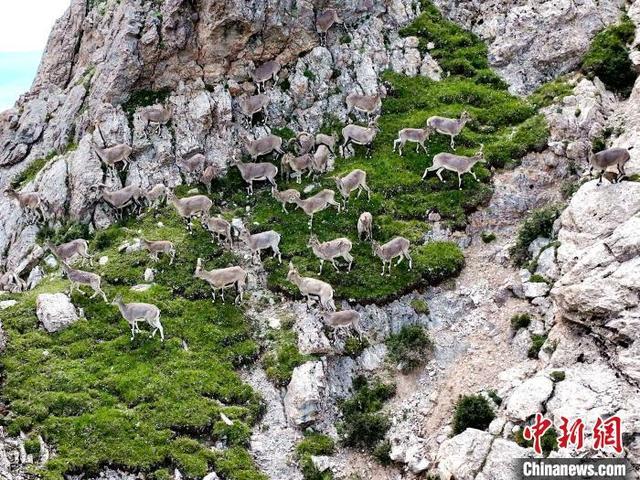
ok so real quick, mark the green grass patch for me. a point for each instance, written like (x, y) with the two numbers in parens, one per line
(608, 57)
(100, 399)
(472, 411)
(409, 347)
(507, 126)
(29, 173)
(549, 93)
(282, 355)
(314, 444)
(363, 425)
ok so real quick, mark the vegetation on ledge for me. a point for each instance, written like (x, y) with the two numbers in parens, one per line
(608, 57)
(100, 399)
(507, 126)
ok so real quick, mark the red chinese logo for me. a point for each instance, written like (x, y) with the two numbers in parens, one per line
(571, 434)
(606, 433)
(536, 431)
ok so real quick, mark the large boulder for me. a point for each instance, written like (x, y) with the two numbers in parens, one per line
(527, 399)
(461, 457)
(499, 464)
(304, 393)
(55, 311)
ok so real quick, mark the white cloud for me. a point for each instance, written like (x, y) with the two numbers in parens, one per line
(25, 24)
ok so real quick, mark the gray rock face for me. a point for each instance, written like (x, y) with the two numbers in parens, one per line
(532, 42)
(304, 393)
(527, 399)
(599, 258)
(55, 311)
(203, 54)
(462, 456)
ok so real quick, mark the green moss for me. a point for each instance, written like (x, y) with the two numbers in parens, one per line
(520, 320)
(363, 425)
(472, 411)
(608, 57)
(488, 237)
(420, 306)
(314, 444)
(282, 356)
(409, 347)
(538, 224)
(549, 93)
(537, 341)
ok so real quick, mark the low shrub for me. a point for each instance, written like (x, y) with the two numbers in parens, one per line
(520, 320)
(488, 237)
(472, 411)
(608, 57)
(382, 453)
(538, 224)
(362, 425)
(493, 395)
(32, 447)
(557, 376)
(420, 306)
(548, 441)
(409, 347)
(536, 344)
(354, 346)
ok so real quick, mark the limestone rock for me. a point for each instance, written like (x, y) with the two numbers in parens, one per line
(499, 464)
(531, 42)
(527, 399)
(55, 311)
(462, 456)
(535, 289)
(304, 393)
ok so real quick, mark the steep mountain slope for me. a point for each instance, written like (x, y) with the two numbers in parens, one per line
(235, 391)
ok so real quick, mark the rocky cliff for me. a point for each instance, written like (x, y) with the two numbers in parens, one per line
(106, 61)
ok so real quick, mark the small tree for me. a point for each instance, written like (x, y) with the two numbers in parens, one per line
(472, 411)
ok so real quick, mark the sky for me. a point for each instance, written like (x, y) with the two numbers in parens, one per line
(24, 30)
